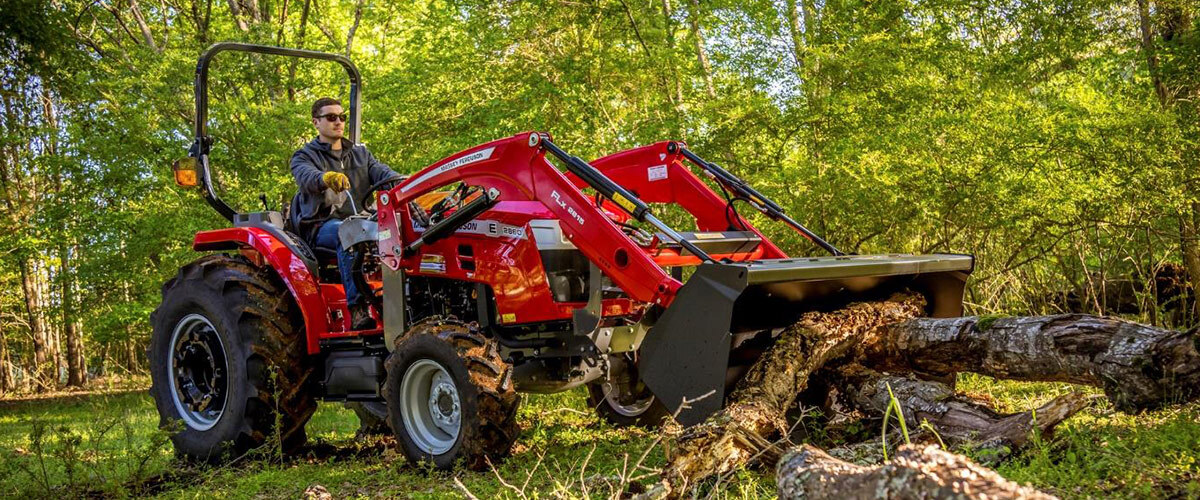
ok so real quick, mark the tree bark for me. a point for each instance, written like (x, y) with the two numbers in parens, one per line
(1189, 246)
(37, 325)
(701, 51)
(235, 12)
(917, 472)
(291, 88)
(283, 14)
(793, 23)
(76, 369)
(956, 421)
(741, 431)
(255, 14)
(669, 31)
(5, 375)
(358, 11)
(1140, 367)
(1147, 32)
(131, 357)
(147, 36)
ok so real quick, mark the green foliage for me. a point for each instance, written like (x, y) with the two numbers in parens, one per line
(985, 321)
(1098, 453)
(893, 405)
(1027, 134)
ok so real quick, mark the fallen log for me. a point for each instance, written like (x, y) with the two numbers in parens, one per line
(916, 472)
(953, 420)
(1139, 367)
(756, 408)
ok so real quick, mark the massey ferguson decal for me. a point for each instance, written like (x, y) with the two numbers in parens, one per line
(493, 228)
(570, 210)
(466, 159)
(485, 227)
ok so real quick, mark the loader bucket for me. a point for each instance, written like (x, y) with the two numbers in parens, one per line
(685, 356)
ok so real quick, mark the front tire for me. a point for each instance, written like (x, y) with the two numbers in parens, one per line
(450, 396)
(623, 400)
(227, 361)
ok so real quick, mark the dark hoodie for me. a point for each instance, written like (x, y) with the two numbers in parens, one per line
(309, 207)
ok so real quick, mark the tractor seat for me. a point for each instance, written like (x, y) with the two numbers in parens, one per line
(327, 265)
(325, 256)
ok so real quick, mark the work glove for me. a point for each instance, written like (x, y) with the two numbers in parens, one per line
(336, 181)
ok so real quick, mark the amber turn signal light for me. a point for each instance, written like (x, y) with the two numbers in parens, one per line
(185, 172)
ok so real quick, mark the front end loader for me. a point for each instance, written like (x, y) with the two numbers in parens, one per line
(509, 267)
(617, 269)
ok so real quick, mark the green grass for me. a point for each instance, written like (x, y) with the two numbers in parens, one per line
(1097, 453)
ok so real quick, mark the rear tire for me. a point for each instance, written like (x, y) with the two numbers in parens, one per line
(228, 360)
(450, 396)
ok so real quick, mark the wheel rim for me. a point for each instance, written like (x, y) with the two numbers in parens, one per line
(198, 370)
(432, 412)
(629, 408)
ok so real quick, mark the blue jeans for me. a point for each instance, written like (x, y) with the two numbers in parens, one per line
(327, 238)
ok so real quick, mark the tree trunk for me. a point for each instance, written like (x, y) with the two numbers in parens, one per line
(1140, 367)
(37, 326)
(798, 45)
(104, 348)
(131, 357)
(917, 472)
(76, 361)
(1189, 245)
(235, 12)
(701, 51)
(255, 14)
(283, 14)
(738, 433)
(202, 22)
(1148, 49)
(76, 376)
(669, 30)
(955, 421)
(5, 374)
(358, 11)
(147, 36)
(299, 45)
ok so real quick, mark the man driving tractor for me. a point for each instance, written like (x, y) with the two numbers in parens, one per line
(334, 176)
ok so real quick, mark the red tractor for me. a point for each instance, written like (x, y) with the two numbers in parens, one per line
(493, 272)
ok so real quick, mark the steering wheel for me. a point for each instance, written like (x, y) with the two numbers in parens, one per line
(392, 180)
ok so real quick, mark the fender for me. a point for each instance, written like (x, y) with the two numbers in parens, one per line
(287, 265)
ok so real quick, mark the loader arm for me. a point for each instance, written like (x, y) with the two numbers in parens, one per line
(656, 174)
(518, 169)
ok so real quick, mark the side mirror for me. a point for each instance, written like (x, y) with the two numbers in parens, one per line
(185, 172)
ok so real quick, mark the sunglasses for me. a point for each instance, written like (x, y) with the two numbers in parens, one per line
(333, 117)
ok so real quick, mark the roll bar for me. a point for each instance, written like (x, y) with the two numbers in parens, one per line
(200, 148)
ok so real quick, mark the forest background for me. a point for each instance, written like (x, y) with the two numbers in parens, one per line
(1056, 140)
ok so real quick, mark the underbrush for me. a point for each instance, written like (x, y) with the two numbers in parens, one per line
(109, 445)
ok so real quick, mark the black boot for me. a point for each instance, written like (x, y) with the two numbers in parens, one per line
(360, 317)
